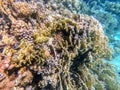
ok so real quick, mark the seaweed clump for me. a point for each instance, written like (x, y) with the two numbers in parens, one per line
(56, 52)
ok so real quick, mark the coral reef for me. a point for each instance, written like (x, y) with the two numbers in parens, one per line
(42, 48)
(107, 13)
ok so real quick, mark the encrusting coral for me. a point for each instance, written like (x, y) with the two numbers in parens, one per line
(53, 52)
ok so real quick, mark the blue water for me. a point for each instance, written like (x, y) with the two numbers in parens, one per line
(115, 41)
(116, 55)
(107, 12)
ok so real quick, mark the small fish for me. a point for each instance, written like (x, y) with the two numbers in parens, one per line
(119, 73)
(2, 77)
(79, 60)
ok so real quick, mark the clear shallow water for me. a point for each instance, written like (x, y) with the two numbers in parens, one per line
(116, 56)
(115, 45)
(117, 36)
(107, 12)
(116, 63)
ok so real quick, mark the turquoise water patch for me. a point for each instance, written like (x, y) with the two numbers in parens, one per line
(117, 36)
(116, 63)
